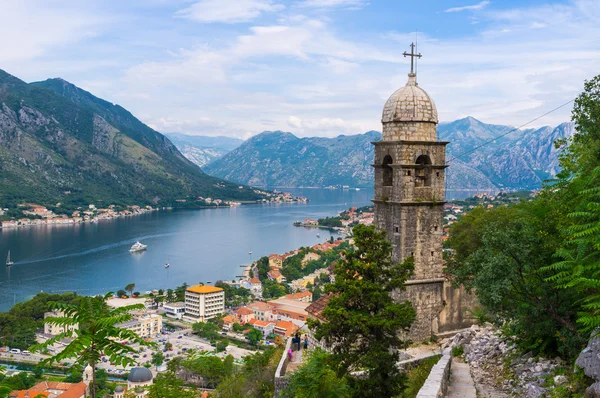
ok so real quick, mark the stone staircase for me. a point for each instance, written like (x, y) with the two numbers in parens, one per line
(461, 383)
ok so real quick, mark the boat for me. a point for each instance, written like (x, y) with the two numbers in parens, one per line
(167, 265)
(138, 247)
(8, 262)
(318, 235)
(250, 252)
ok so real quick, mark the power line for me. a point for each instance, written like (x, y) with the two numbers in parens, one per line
(508, 132)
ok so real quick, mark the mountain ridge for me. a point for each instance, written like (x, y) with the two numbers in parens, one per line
(59, 143)
(521, 159)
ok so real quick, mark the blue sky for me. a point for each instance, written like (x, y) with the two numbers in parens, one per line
(311, 67)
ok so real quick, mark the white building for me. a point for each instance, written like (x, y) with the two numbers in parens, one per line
(147, 325)
(174, 310)
(203, 302)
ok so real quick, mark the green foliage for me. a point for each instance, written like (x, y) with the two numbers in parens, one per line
(211, 369)
(121, 293)
(317, 378)
(254, 336)
(206, 330)
(363, 321)
(168, 385)
(502, 254)
(221, 346)
(480, 314)
(19, 325)
(130, 287)
(158, 358)
(97, 333)
(255, 380)
(458, 351)
(417, 376)
(330, 222)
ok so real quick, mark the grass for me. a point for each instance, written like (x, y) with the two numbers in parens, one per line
(458, 351)
(417, 376)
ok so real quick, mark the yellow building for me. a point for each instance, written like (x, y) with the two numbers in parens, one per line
(147, 325)
(203, 302)
(53, 329)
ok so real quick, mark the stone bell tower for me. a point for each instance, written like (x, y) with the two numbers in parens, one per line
(409, 196)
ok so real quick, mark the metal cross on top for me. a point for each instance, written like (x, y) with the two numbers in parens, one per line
(412, 56)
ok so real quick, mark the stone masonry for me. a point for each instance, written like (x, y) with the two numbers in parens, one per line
(409, 196)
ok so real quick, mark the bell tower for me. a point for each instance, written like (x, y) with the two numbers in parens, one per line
(410, 168)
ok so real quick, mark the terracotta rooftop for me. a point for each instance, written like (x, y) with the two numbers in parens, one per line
(255, 280)
(244, 311)
(316, 308)
(70, 390)
(258, 322)
(259, 305)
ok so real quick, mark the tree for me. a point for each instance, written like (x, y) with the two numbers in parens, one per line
(97, 334)
(168, 345)
(130, 288)
(254, 336)
(317, 378)
(121, 293)
(221, 346)
(158, 358)
(362, 321)
(168, 385)
(170, 296)
(136, 294)
(579, 269)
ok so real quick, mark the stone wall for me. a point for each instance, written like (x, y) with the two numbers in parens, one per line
(457, 306)
(421, 131)
(438, 380)
(427, 300)
(281, 380)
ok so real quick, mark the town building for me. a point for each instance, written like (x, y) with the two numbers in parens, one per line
(305, 297)
(52, 389)
(310, 256)
(244, 314)
(262, 311)
(285, 328)
(228, 321)
(264, 326)
(138, 381)
(276, 276)
(174, 310)
(203, 302)
(290, 310)
(54, 329)
(145, 326)
(410, 166)
(275, 261)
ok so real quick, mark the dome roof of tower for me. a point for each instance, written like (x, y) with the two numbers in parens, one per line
(119, 389)
(410, 104)
(139, 375)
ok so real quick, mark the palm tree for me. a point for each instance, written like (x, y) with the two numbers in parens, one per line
(96, 333)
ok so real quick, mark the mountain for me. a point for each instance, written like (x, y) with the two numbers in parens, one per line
(275, 158)
(521, 159)
(202, 150)
(59, 143)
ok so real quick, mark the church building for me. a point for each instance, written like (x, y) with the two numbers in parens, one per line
(410, 166)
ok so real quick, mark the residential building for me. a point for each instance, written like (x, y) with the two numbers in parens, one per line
(53, 329)
(262, 311)
(305, 297)
(52, 389)
(275, 261)
(264, 326)
(286, 309)
(285, 328)
(145, 326)
(174, 310)
(310, 256)
(276, 276)
(315, 311)
(255, 285)
(244, 314)
(228, 321)
(203, 302)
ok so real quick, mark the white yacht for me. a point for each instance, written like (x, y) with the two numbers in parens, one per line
(167, 265)
(138, 247)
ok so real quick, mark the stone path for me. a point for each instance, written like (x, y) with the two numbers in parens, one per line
(461, 382)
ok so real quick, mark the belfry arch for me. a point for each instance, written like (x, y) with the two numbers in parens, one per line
(388, 172)
(423, 171)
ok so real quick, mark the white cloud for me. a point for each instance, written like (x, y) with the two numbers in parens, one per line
(354, 4)
(228, 11)
(473, 7)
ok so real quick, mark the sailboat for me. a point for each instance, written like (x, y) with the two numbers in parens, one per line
(167, 265)
(8, 262)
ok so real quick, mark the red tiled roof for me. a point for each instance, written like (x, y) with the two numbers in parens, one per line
(244, 311)
(41, 389)
(259, 305)
(316, 308)
(255, 280)
(274, 273)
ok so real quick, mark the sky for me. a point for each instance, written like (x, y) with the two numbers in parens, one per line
(310, 67)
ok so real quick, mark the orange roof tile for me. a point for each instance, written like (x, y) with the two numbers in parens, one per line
(202, 289)
(244, 311)
(259, 305)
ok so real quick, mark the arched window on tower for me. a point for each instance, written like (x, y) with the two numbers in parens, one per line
(388, 172)
(423, 171)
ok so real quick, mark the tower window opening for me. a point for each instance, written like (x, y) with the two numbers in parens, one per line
(397, 229)
(388, 172)
(408, 172)
(431, 254)
(435, 228)
(423, 171)
(437, 174)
